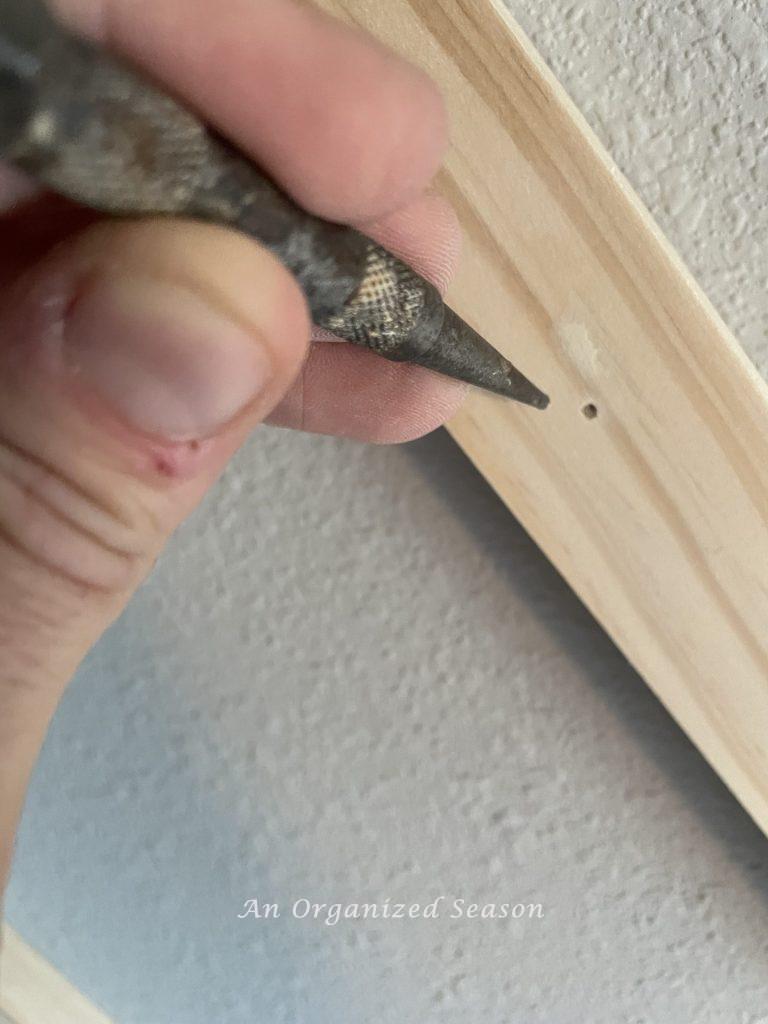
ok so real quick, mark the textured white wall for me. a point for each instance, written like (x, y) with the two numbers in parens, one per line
(354, 677)
(678, 92)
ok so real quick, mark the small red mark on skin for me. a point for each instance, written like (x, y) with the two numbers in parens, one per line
(179, 461)
(165, 466)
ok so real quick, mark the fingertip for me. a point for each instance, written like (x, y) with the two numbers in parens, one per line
(424, 403)
(176, 330)
(228, 271)
(353, 393)
(381, 145)
(426, 234)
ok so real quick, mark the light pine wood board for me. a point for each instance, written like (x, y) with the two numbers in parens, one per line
(33, 992)
(655, 511)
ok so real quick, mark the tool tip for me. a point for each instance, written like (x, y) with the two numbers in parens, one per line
(459, 351)
(515, 385)
(523, 390)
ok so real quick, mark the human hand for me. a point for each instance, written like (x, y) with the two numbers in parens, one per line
(135, 357)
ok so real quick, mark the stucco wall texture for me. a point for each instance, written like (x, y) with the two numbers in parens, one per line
(354, 677)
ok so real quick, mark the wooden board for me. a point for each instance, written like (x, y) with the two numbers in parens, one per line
(656, 509)
(33, 992)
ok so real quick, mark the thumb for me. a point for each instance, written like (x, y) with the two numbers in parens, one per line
(133, 362)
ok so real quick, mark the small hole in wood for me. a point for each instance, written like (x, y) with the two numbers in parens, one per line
(590, 411)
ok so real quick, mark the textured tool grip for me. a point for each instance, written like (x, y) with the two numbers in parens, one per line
(101, 135)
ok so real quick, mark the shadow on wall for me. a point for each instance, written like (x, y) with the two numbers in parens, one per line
(486, 518)
(173, 798)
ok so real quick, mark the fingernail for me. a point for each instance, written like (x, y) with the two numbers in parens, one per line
(162, 358)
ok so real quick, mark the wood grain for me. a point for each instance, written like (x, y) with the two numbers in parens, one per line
(656, 509)
(33, 992)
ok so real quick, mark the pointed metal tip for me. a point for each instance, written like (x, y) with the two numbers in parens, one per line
(485, 367)
(459, 351)
(541, 401)
(520, 389)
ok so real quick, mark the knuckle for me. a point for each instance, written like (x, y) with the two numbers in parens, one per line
(65, 529)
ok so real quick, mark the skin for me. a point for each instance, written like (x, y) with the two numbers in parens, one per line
(136, 357)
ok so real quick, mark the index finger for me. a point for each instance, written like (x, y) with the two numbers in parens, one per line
(348, 128)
